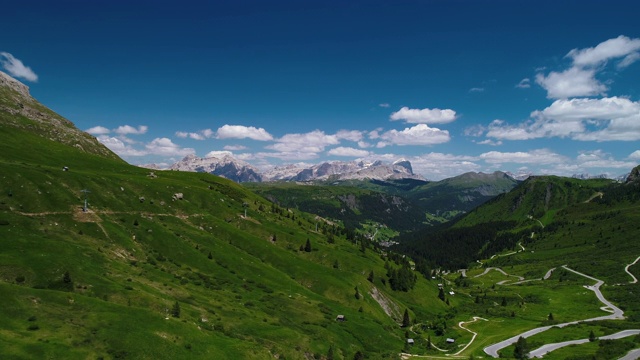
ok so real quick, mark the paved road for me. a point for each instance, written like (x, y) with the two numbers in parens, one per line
(626, 269)
(616, 314)
(632, 355)
(547, 348)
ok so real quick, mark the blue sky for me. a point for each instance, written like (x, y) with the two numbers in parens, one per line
(544, 87)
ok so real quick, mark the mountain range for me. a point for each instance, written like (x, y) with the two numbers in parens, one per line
(226, 165)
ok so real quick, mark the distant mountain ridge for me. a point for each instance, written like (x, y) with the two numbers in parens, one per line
(222, 164)
(225, 165)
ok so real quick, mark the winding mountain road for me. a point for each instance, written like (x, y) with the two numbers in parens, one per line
(616, 314)
(626, 269)
(547, 348)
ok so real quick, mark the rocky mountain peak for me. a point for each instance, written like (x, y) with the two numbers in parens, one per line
(15, 85)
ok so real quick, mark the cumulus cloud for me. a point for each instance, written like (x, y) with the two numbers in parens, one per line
(539, 156)
(130, 130)
(98, 130)
(308, 143)
(424, 116)
(16, 68)
(585, 119)
(635, 155)
(348, 151)
(119, 147)
(621, 46)
(435, 166)
(420, 134)
(351, 135)
(243, 132)
(216, 153)
(524, 84)
(235, 147)
(580, 78)
(165, 147)
(490, 142)
(571, 83)
(200, 135)
(600, 159)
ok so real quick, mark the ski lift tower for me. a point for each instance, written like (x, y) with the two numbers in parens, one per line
(85, 191)
(245, 206)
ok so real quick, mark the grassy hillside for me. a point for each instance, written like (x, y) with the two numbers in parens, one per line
(74, 282)
(349, 205)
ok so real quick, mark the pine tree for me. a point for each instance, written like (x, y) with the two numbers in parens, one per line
(175, 310)
(307, 246)
(370, 277)
(358, 356)
(406, 320)
(550, 317)
(521, 350)
(592, 336)
(67, 282)
(441, 294)
(210, 256)
(357, 294)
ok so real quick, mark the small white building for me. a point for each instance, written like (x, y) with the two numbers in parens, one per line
(410, 341)
(450, 341)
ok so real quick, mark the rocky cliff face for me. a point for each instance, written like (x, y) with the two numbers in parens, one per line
(338, 170)
(222, 165)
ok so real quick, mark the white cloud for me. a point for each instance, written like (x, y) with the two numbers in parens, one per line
(524, 83)
(348, 151)
(130, 130)
(351, 135)
(216, 153)
(200, 135)
(235, 147)
(438, 166)
(539, 156)
(16, 68)
(583, 119)
(571, 83)
(490, 142)
(628, 60)
(288, 155)
(119, 147)
(580, 79)
(635, 155)
(165, 147)
(363, 144)
(424, 116)
(476, 90)
(420, 134)
(307, 143)
(384, 105)
(601, 160)
(243, 132)
(621, 46)
(98, 130)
